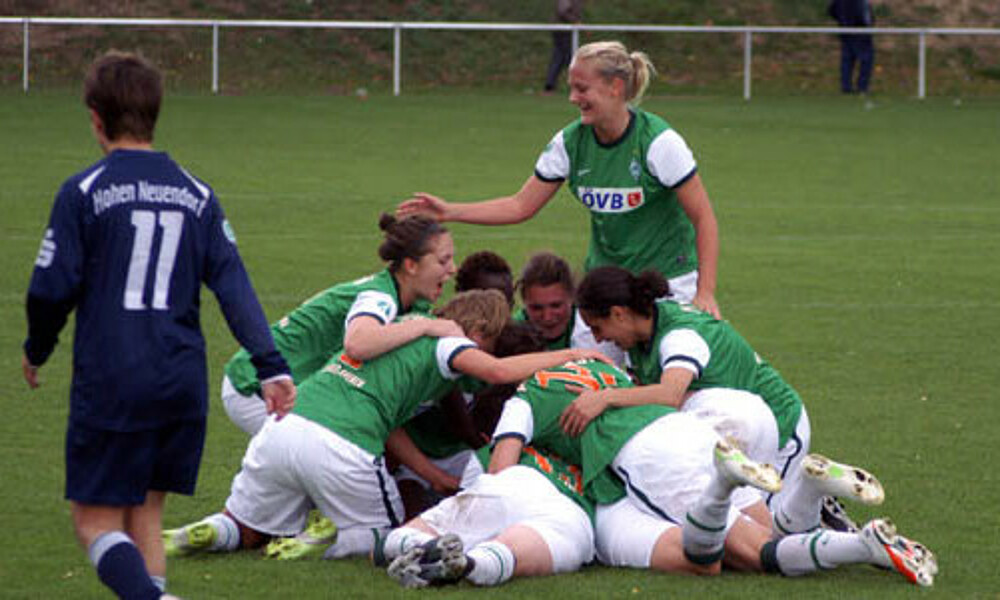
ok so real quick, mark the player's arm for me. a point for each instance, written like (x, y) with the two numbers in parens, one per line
(55, 282)
(400, 446)
(512, 369)
(367, 336)
(506, 453)
(506, 210)
(514, 430)
(670, 391)
(694, 200)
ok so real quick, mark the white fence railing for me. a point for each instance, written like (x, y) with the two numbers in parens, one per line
(398, 28)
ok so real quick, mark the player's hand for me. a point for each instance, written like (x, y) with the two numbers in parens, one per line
(30, 372)
(587, 407)
(279, 396)
(423, 204)
(446, 484)
(588, 354)
(443, 328)
(706, 302)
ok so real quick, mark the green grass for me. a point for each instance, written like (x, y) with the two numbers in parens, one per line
(859, 254)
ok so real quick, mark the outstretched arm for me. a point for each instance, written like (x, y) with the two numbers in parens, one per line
(506, 210)
(366, 337)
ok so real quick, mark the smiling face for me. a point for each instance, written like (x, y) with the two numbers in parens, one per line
(426, 277)
(598, 99)
(620, 327)
(549, 308)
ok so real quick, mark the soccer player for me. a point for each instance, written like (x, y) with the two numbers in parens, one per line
(357, 316)
(680, 511)
(629, 168)
(547, 288)
(529, 519)
(676, 348)
(129, 242)
(328, 452)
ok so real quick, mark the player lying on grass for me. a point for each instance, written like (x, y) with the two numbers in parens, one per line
(530, 519)
(675, 349)
(680, 511)
(357, 316)
(328, 452)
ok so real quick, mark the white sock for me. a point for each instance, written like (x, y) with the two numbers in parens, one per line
(494, 564)
(805, 553)
(704, 530)
(357, 541)
(402, 539)
(798, 512)
(227, 533)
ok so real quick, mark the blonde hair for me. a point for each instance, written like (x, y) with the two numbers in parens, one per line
(612, 60)
(482, 311)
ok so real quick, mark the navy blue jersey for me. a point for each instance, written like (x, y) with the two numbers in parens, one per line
(129, 242)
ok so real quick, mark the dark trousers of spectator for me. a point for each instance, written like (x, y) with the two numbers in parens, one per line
(562, 53)
(856, 49)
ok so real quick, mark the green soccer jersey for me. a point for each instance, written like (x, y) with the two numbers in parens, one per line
(364, 401)
(566, 477)
(533, 415)
(718, 356)
(309, 335)
(629, 187)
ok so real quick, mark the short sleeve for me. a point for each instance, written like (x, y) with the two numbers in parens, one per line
(553, 164)
(373, 303)
(670, 160)
(516, 420)
(685, 349)
(446, 350)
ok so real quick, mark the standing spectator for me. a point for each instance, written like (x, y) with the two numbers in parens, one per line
(567, 11)
(129, 242)
(854, 47)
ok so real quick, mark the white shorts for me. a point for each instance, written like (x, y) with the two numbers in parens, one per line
(745, 418)
(518, 495)
(247, 412)
(790, 458)
(454, 465)
(667, 466)
(683, 287)
(625, 536)
(295, 464)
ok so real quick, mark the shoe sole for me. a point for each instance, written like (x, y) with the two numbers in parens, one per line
(918, 566)
(843, 481)
(833, 516)
(744, 471)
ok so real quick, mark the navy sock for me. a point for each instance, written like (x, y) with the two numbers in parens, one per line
(120, 567)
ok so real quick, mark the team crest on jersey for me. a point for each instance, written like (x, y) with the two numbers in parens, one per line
(635, 169)
(611, 200)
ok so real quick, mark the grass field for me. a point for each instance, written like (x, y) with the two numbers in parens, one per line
(860, 253)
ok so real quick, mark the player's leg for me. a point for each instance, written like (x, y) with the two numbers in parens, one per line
(144, 525)
(119, 563)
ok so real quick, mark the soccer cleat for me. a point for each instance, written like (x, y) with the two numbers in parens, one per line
(843, 481)
(833, 516)
(438, 561)
(320, 533)
(196, 537)
(735, 466)
(892, 551)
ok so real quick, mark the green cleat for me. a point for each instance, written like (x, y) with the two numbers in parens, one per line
(320, 533)
(190, 539)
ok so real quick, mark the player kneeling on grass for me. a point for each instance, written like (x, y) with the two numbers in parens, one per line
(529, 519)
(328, 452)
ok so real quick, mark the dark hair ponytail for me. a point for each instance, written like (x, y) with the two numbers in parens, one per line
(406, 238)
(605, 287)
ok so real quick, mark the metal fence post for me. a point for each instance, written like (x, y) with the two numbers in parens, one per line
(922, 66)
(215, 57)
(27, 56)
(576, 40)
(747, 58)
(397, 57)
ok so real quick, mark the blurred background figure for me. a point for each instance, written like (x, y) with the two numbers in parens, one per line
(854, 47)
(567, 11)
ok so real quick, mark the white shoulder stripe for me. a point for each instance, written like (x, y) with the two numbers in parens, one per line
(205, 192)
(89, 179)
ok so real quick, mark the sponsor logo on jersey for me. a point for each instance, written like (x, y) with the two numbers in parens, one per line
(47, 251)
(335, 368)
(611, 200)
(583, 172)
